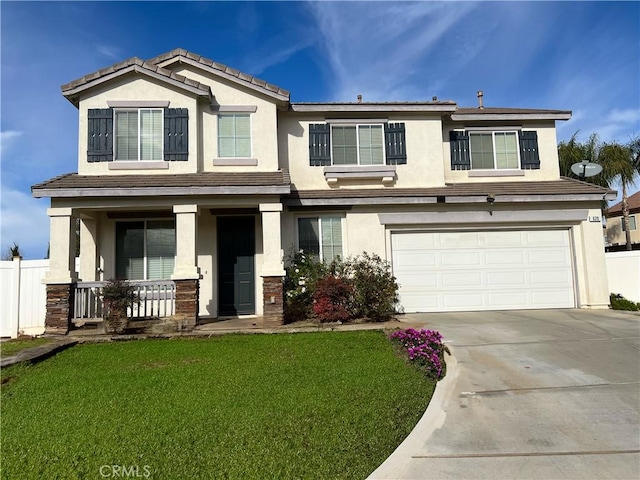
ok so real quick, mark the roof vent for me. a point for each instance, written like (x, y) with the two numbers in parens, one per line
(434, 99)
(359, 98)
(480, 104)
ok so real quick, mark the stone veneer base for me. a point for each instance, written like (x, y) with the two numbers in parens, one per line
(273, 305)
(187, 294)
(59, 304)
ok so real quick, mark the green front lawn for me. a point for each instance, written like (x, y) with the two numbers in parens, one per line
(308, 405)
(9, 348)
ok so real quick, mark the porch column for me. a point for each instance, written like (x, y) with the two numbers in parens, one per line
(186, 273)
(88, 249)
(273, 267)
(61, 276)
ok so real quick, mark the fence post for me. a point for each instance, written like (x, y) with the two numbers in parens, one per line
(14, 318)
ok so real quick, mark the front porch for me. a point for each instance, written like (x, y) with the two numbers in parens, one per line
(175, 258)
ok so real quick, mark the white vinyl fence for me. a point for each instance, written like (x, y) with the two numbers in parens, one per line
(623, 269)
(23, 297)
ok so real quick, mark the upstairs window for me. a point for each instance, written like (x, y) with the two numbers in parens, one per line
(494, 150)
(234, 135)
(139, 134)
(357, 145)
(321, 237)
(363, 144)
(145, 250)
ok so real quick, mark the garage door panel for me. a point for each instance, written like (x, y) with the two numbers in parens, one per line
(504, 239)
(459, 240)
(483, 270)
(505, 299)
(460, 258)
(548, 256)
(471, 301)
(501, 279)
(509, 257)
(462, 280)
(547, 238)
(413, 261)
(550, 277)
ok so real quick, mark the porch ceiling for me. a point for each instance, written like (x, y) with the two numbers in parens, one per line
(204, 183)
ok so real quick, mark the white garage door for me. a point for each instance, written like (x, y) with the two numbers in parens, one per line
(487, 270)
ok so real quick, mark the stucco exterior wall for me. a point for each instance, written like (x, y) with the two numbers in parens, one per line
(362, 231)
(547, 146)
(423, 146)
(264, 138)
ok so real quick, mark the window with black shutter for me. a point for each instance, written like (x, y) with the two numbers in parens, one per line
(459, 144)
(176, 134)
(529, 155)
(395, 144)
(319, 144)
(100, 138)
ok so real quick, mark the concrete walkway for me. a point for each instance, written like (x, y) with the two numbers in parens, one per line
(547, 394)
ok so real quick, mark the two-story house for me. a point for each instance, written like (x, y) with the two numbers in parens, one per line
(199, 178)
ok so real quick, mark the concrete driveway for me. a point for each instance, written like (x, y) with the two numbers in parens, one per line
(546, 394)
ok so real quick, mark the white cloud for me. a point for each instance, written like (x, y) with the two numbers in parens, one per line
(275, 58)
(109, 51)
(24, 220)
(382, 50)
(7, 138)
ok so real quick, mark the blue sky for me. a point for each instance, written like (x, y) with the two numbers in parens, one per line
(583, 57)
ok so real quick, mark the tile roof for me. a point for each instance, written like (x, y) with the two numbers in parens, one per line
(220, 68)
(634, 206)
(80, 183)
(564, 186)
(70, 89)
(500, 110)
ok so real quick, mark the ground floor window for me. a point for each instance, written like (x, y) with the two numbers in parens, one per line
(145, 250)
(321, 236)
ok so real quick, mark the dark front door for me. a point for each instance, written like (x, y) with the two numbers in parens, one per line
(236, 274)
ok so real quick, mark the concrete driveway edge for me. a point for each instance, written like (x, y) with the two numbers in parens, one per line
(432, 419)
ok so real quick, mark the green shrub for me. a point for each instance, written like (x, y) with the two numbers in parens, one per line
(303, 272)
(373, 286)
(375, 290)
(618, 302)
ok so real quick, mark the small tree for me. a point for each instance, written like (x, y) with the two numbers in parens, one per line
(12, 251)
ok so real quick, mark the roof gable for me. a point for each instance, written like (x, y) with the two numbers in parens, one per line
(72, 90)
(180, 55)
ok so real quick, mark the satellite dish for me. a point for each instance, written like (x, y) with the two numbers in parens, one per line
(586, 169)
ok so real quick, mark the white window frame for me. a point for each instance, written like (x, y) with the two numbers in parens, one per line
(319, 218)
(115, 134)
(357, 126)
(145, 257)
(633, 227)
(493, 143)
(235, 114)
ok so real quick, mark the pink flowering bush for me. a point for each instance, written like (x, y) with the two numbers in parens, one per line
(424, 349)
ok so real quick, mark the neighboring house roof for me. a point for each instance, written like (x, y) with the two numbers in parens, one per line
(336, 107)
(72, 90)
(204, 183)
(183, 56)
(553, 190)
(634, 206)
(495, 113)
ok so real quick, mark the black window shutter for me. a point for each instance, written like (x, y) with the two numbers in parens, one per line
(100, 139)
(394, 136)
(319, 144)
(459, 143)
(529, 156)
(176, 134)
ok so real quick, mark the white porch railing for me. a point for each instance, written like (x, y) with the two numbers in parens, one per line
(157, 299)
